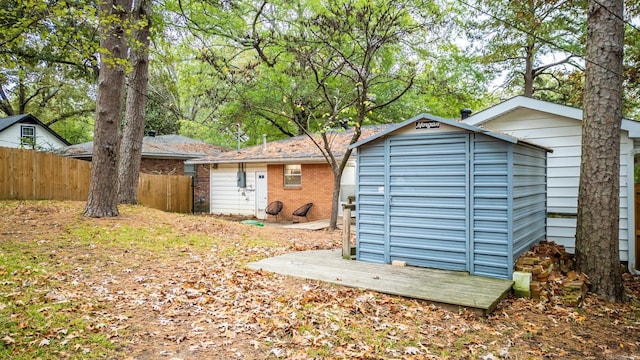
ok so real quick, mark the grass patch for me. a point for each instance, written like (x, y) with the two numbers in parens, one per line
(160, 239)
(36, 319)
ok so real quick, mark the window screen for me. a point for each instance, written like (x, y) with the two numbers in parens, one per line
(28, 135)
(292, 175)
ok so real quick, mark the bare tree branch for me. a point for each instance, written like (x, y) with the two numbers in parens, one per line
(541, 69)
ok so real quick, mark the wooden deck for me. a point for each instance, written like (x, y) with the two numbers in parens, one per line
(450, 289)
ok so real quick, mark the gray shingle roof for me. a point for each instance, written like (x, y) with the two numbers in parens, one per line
(294, 149)
(161, 146)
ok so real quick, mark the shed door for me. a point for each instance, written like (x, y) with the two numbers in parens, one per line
(427, 199)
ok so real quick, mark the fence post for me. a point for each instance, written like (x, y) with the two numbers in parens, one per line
(346, 230)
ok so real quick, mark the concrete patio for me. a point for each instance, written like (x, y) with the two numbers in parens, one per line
(450, 289)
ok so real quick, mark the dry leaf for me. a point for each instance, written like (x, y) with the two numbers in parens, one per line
(44, 342)
(411, 350)
(8, 340)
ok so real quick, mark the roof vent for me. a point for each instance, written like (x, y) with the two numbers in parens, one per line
(465, 113)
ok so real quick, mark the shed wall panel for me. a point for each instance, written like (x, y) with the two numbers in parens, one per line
(370, 211)
(428, 200)
(529, 199)
(490, 207)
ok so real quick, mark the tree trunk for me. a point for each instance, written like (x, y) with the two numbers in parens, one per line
(22, 94)
(597, 242)
(528, 71)
(103, 188)
(338, 169)
(335, 199)
(133, 133)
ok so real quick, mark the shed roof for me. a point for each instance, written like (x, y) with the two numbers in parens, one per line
(161, 147)
(28, 119)
(297, 149)
(522, 102)
(454, 123)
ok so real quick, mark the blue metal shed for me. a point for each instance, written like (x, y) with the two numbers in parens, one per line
(443, 194)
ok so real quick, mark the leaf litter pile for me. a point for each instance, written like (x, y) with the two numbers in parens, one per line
(154, 285)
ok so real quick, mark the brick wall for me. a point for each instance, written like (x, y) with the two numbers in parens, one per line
(162, 166)
(317, 187)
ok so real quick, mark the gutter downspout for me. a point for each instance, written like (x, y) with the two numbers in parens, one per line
(193, 192)
(631, 216)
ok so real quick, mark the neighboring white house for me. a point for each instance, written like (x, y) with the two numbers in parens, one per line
(560, 128)
(26, 131)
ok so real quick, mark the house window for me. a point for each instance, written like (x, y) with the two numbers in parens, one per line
(292, 175)
(190, 169)
(28, 135)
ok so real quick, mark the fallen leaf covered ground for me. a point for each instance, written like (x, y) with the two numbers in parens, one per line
(154, 285)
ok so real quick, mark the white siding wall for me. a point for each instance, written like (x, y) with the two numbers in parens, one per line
(226, 197)
(348, 183)
(564, 135)
(10, 137)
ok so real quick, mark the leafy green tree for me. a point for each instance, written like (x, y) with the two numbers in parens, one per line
(184, 92)
(47, 52)
(521, 36)
(631, 106)
(313, 66)
(353, 51)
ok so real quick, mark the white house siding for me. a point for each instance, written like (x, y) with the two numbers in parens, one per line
(10, 137)
(347, 183)
(226, 196)
(563, 135)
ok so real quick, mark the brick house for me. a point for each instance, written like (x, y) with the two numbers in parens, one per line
(166, 155)
(291, 170)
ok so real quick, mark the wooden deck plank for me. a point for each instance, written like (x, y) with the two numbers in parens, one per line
(455, 288)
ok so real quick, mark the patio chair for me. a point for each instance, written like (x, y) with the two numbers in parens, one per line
(274, 208)
(302, 212)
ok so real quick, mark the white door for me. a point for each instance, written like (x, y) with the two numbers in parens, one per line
(261, 194)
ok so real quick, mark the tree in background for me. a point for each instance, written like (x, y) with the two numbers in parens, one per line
(47, 57)
(566, 85)
(133, 130)
(631, 84)
(184, 92)
(359, 55)
(520, 36)
(254, 48)
(103, 188)
(597, 242)
(317, 66)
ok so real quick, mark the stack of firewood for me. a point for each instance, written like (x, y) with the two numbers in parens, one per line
(553, 277)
